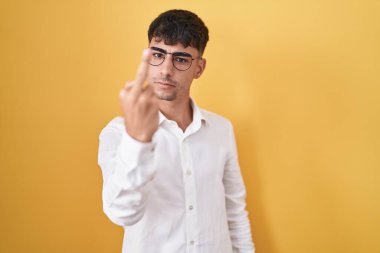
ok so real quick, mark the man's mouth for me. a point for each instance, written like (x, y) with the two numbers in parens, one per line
(165, 83)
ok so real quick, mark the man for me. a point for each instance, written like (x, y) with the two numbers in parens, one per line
(170, 169)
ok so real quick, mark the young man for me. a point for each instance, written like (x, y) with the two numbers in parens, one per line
(170, 169)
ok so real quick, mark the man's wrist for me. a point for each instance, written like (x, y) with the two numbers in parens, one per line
(134, 151)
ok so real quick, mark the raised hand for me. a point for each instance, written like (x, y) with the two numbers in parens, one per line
(139, 104)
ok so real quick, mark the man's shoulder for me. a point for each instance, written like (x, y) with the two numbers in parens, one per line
(114, 125)
(215, 118)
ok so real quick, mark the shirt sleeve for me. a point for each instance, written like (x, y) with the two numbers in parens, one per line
(238, 222)
(128, 169)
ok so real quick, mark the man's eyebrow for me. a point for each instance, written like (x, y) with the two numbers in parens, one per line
(159, 49)
(182, 54)
(175, 53)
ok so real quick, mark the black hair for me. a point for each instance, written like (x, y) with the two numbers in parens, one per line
(179, 26)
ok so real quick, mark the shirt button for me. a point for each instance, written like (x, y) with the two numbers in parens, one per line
(191, 207)
(192, 242)
(188, 172)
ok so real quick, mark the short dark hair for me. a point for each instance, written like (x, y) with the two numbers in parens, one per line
(179, 26)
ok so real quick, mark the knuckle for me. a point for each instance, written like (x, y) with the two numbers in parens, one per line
(128, 85)
(143, 99)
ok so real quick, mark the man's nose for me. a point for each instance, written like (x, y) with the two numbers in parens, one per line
(167, 68)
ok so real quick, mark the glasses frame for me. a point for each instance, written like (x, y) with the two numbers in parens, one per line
(183, 54)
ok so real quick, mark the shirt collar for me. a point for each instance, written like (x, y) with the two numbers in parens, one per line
(198, 116)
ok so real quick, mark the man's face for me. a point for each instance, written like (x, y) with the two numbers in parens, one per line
(168, 82)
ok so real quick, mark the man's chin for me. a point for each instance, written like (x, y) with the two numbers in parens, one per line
(166, 97)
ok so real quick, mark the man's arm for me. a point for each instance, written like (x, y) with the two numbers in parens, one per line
(126, 152)
(128, 168)
(238, 222)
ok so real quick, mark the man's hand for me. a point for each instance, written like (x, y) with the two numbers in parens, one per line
(139, 104)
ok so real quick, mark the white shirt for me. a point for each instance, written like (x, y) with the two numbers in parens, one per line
(183, 192)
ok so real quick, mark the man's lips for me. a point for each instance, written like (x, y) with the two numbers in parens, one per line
(163, 83)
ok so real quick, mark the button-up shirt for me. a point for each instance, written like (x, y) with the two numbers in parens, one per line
(182, 192)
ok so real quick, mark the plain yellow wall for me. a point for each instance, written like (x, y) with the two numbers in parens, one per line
(299, 79)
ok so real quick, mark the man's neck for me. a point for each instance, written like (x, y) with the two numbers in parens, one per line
(179, 111)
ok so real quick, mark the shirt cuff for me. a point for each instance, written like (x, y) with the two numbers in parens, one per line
(134, 152)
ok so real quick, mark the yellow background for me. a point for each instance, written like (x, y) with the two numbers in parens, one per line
(299, 80)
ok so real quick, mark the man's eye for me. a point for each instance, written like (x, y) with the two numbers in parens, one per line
(181, 60)
(158, 55)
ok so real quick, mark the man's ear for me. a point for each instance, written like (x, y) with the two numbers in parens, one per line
(200, 68)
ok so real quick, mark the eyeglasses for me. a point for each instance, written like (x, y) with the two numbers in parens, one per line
(181, 60)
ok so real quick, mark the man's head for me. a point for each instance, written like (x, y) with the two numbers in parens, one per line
(179, 26)
(177, 39)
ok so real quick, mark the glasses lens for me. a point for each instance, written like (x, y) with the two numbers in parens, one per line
(182, 62)
(157, 58)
